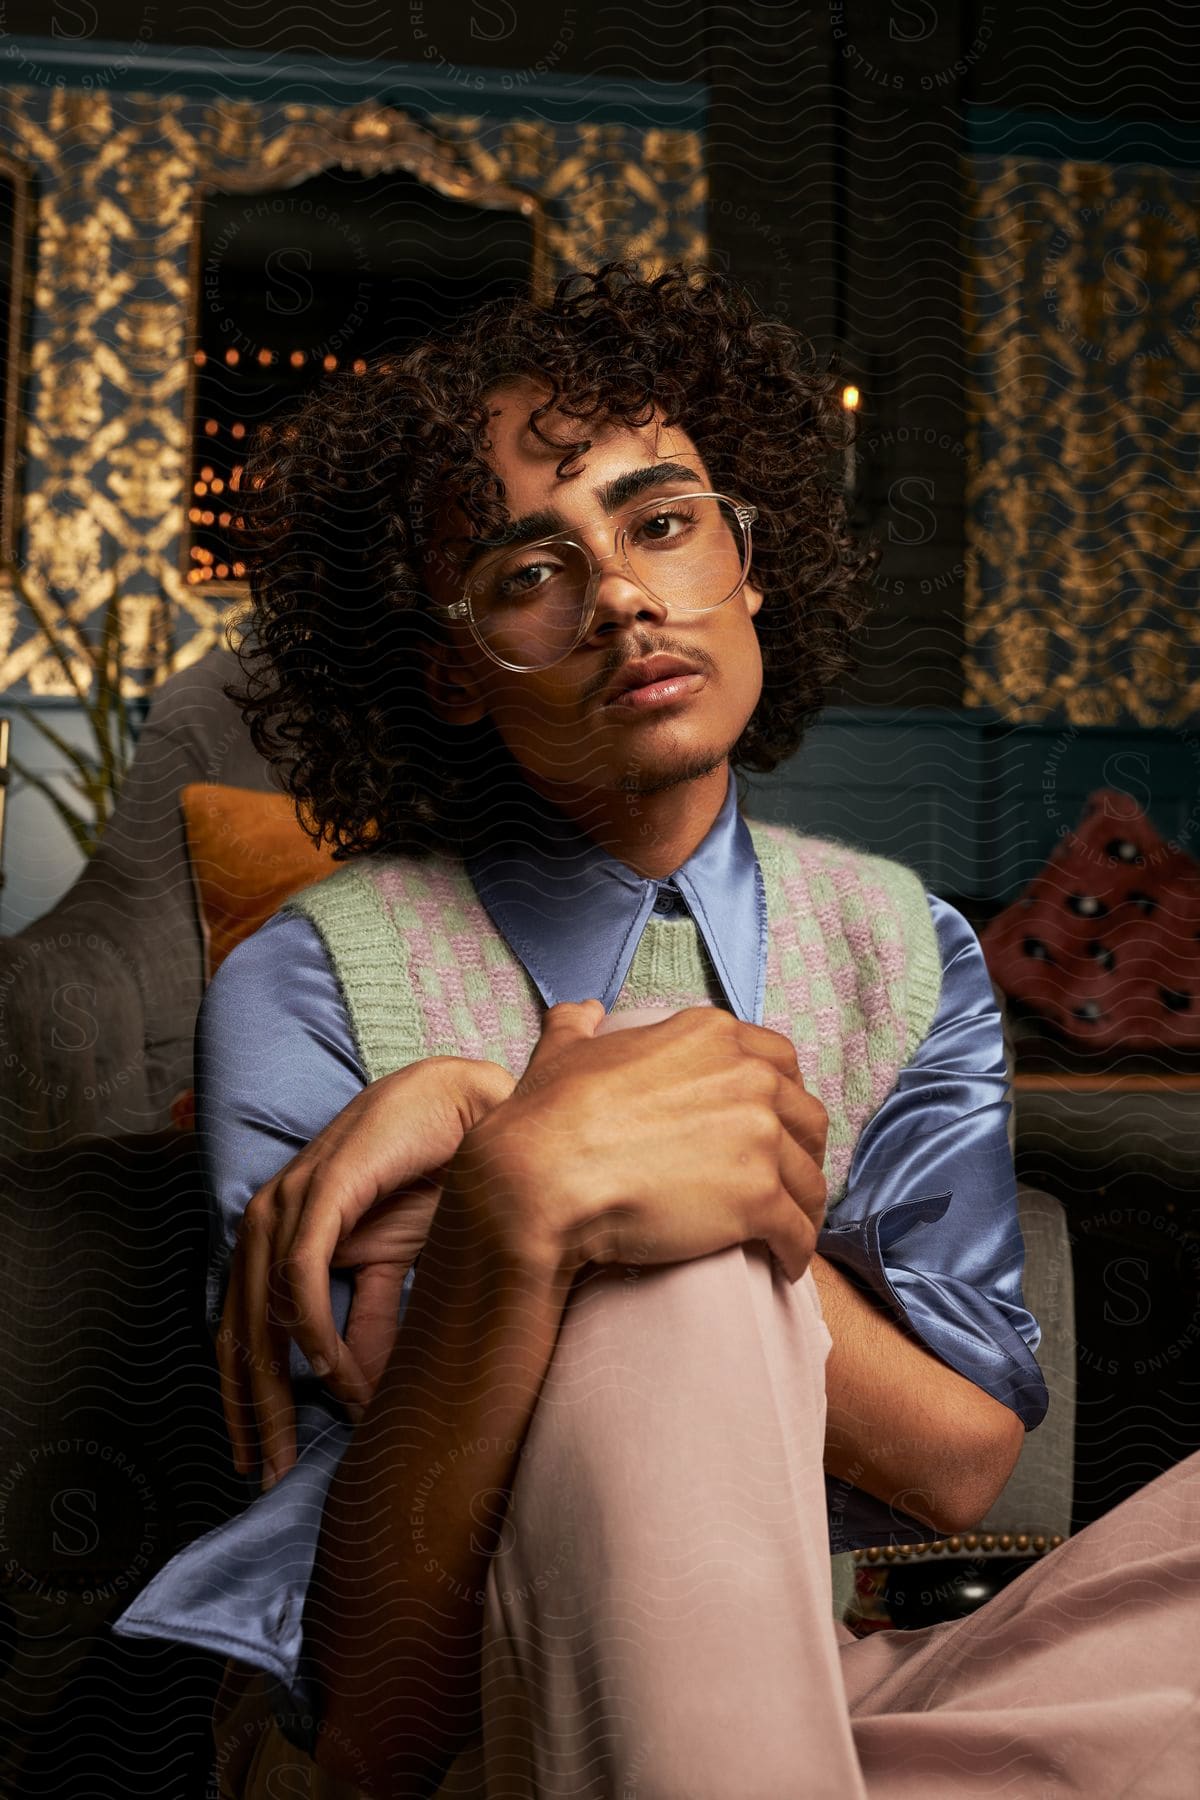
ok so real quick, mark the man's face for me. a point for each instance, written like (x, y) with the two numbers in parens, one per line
(558, 723)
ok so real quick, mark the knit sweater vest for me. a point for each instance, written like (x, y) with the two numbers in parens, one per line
(853, 970)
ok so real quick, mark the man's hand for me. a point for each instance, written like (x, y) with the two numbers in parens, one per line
(360, 1195)
(654, 1145)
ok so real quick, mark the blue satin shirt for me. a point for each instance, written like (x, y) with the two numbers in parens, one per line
(928, 1222)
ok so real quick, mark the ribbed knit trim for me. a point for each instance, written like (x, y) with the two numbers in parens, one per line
(845, 932)
(671, 967)
(372, 963)
(923, 963)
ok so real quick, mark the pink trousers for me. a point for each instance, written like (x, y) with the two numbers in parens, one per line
(659, 1619)
(658, 1615)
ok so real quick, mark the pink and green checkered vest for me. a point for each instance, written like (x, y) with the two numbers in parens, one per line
(853, 971)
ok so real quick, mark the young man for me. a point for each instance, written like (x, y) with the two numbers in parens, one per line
(693, 1301)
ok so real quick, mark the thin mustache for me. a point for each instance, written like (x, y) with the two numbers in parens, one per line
(605, 679)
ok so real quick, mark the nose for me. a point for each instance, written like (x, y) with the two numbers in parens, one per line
(618, 601)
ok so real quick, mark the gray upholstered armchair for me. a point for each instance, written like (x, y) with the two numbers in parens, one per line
(99, 1003)
(100, 995)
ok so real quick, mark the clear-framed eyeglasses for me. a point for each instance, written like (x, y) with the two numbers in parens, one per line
(529, 605)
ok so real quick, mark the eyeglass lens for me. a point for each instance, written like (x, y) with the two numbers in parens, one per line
(529, 602)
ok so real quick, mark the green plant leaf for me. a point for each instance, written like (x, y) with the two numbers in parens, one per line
(81, 828)
(50, 632)
(97, 774)
(85, 763)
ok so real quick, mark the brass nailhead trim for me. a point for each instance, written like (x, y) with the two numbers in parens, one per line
(1021, 1542)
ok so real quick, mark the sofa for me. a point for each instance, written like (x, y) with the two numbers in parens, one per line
(115, 1452)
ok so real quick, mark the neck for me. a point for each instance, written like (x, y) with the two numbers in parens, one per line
(653, 834)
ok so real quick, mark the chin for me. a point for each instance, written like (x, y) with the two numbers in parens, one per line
(654, 775)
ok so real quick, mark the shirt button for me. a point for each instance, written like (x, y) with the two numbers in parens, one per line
(666, 900)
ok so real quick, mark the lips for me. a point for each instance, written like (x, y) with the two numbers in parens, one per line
(645, 672)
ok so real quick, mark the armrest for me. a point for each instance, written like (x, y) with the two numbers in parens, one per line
(1033, 1511)
(72, 1035)
(1039, 1494)
(98, 999)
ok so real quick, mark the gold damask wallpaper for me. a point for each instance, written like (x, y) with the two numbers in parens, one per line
(106, 453)
(1083, 396)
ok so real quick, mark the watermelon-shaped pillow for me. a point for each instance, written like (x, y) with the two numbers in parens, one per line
(1105, 942)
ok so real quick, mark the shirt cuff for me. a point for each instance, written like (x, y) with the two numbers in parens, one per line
(240, 1590)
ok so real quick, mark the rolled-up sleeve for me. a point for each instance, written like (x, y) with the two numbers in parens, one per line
(275, 1062)
(928, 1222)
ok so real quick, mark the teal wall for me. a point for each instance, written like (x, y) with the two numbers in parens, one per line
(972, 802)
(975, 803)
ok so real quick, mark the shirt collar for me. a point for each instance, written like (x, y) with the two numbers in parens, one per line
(574, 915)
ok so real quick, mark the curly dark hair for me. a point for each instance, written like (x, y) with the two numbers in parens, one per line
(341, 505)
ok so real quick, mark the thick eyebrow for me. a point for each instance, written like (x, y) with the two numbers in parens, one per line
(547, 520)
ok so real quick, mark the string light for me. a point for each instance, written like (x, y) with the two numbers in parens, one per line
(209, 483)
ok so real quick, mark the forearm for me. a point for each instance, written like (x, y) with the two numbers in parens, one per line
(900, 1423)
(395, 1608)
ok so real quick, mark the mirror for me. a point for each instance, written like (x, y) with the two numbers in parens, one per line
(294, 284)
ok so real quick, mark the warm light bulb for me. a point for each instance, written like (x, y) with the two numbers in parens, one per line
(233, 358)
(297, 359)
(850, 398)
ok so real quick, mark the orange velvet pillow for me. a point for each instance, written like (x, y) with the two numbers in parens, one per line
(248, 853)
